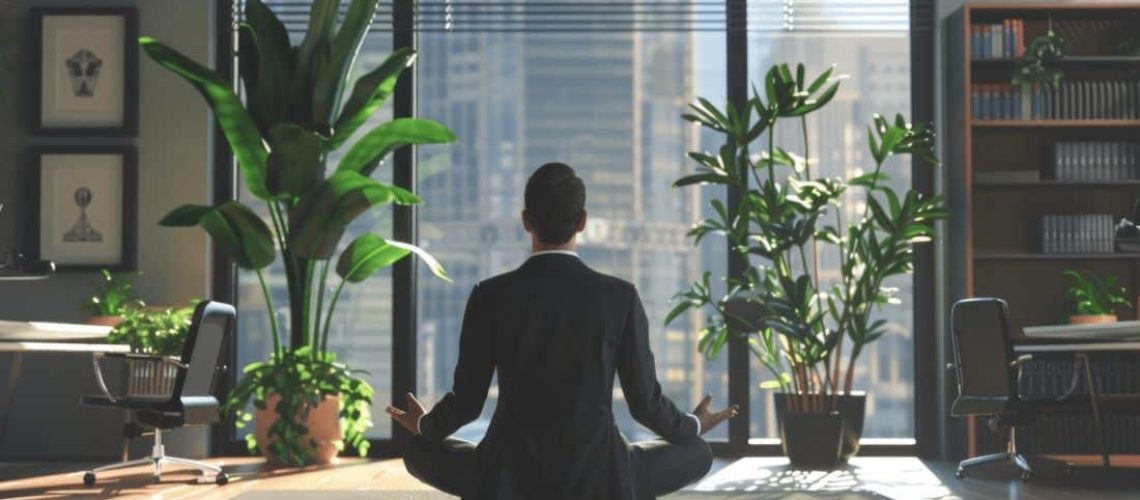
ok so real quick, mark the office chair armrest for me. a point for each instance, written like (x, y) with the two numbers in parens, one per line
(98, 356)
(1021, 360)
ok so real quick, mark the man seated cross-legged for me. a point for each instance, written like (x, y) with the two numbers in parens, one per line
(557, 332)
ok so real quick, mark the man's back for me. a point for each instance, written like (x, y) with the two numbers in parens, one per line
(557, 332)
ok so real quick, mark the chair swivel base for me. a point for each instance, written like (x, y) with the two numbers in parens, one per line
(159, 459)
(1014, 458)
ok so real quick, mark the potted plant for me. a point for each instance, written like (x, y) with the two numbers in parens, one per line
(1094, 298)
(114, 295)
(797, 318)
(299, 109)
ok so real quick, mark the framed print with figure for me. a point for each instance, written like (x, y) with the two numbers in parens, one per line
(85, 71)
(86, 206)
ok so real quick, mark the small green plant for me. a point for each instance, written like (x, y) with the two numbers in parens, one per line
(1095, 295)
(1041, 62)
(302, 378)
(113, 296)
(159, 332)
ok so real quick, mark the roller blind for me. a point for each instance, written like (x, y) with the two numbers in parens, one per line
(825, 16)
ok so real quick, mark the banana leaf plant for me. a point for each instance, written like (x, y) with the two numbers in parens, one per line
(299, 109)
(796, 319)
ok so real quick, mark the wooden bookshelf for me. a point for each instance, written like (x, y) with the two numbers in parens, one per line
(993, 230)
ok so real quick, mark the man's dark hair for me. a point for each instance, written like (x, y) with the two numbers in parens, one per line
(555, 199)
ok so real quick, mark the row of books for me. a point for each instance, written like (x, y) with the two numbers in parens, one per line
(1070, 234)
(1089, 100)
(998, 41)
(1095, 161)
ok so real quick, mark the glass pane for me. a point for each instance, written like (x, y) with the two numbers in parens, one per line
(879, 68)
(607, 103)
(361, 330)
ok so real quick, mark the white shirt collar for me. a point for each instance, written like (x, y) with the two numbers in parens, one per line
(563, 252)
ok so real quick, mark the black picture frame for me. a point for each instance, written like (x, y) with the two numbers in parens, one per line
(130, 98)
(127, 261)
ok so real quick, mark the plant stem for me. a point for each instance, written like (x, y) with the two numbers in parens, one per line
(307, 304)
(272, 313)
(320, 301)
(329, 315)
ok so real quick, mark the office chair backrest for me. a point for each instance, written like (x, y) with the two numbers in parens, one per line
(212, 324)
(982, 356)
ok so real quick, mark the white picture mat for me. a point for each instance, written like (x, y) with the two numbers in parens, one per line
(63, 37)
(60, 176)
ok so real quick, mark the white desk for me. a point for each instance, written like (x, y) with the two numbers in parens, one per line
(18, 338)
(1077, 346)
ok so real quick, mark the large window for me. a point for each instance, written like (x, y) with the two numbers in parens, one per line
(608, 102)
(601, 85)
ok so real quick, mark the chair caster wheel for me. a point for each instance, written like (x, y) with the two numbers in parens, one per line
(221, 479)
(89, 479)
(960, 473)
(1025, 476)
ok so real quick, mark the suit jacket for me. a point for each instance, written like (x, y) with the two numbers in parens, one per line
(557, 332)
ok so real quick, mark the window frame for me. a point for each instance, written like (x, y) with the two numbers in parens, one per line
(929, 406)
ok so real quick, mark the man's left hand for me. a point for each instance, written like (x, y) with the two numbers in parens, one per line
(409, 419)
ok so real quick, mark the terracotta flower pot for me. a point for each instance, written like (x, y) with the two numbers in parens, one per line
(1087, 319)
(111, 321)
(322, 421)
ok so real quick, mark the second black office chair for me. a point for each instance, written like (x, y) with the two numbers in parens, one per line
(191, 402)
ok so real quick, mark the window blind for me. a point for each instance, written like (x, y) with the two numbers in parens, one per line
(825, 16)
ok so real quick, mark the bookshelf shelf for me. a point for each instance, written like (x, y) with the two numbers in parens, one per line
(1112, 62)
(1057, 184)
(1053, 123)
(1055, 257)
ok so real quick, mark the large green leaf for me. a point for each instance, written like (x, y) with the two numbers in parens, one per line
(295, 160)
(329, 84)
(433, 265)
(367, 153)
(313, 55)
(319, 220)
(236, 124)
(234, 227)
(370, 91)
(269, 94)
(366, 255)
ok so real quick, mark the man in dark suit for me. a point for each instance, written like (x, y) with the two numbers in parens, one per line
(557, 332)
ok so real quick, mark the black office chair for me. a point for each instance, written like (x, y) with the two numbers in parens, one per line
(189, 403)
(987, 373)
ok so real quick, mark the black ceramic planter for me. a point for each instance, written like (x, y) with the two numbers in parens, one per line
(813, 440)
(852, 407)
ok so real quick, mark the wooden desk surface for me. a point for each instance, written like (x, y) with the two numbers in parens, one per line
(1092, 346)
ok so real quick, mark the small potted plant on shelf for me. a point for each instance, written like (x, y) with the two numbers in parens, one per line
(301, 109)
(1094, 297)
(114, 295)
(798, 318)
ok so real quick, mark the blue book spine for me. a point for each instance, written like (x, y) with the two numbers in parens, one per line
(975, 43)
(976, 103)
(1007, 102)
(985, 43)
(1009, 41)
(1036, 103)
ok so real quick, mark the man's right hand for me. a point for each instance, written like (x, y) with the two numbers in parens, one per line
(710, 419)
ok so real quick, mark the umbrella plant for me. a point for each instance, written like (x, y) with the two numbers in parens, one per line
(797, 320)
(299, 109)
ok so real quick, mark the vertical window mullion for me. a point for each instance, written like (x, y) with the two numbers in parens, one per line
(736, 59)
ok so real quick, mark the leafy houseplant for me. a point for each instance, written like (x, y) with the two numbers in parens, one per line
(114, 296)
(1041, 63)
(298, 111)
(159, 332)
(796, 319)
(1094, 297)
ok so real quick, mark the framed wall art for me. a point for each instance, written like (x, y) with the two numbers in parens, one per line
(85, 71)
(86, 209)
